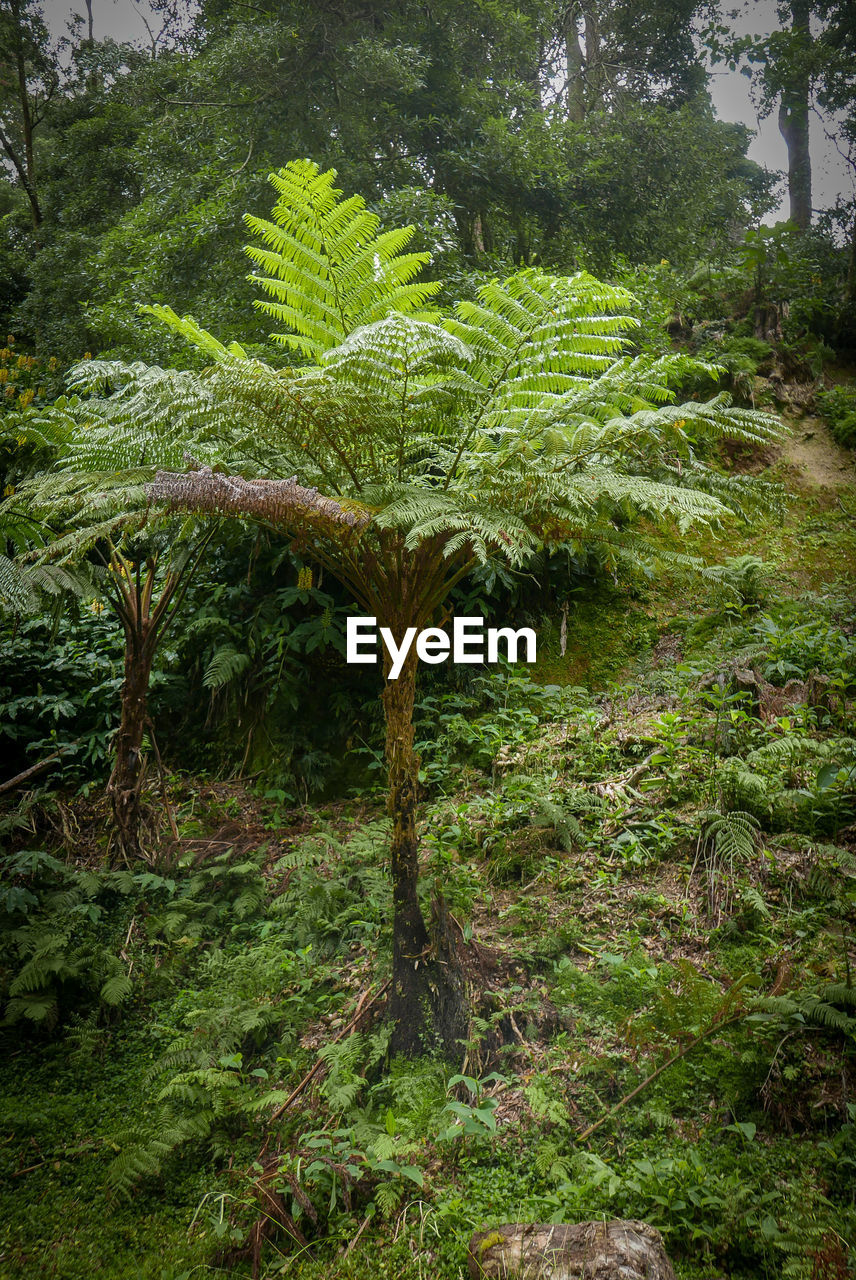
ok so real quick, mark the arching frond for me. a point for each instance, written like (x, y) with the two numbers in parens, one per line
(537, 333)
(326, 265)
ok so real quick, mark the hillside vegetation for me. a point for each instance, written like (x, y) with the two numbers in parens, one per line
(643, 849)
(427, 314)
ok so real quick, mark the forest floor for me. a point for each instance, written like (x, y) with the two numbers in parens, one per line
(646, 858)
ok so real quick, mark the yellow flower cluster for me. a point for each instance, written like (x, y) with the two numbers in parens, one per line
(20, 374)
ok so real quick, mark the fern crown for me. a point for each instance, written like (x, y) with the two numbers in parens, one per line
(518, 419)
(326, 266)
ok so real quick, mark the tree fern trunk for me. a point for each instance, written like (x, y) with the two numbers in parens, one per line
(126, 779)
(409, 935)
(427, 1003)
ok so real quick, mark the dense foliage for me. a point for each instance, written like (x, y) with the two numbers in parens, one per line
(550, 369)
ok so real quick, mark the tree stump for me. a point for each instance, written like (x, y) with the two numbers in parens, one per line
(615, 1250)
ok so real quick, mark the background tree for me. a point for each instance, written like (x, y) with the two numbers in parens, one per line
(455, 98)
(794, 104)
(29, 78)
(608, 53)
(805, 66)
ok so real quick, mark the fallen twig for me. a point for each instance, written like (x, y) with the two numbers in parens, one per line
(12, 783)
(676, 1057)
(365, 1222)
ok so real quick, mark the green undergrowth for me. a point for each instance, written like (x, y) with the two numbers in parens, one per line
(647, 855)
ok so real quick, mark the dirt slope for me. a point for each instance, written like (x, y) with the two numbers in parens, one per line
(818, 462)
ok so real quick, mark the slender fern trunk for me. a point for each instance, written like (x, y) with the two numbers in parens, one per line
(427, 1002)
(126, 780)
(410, 942)
(144, 622)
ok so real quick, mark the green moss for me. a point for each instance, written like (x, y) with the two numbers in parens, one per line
(605, 634)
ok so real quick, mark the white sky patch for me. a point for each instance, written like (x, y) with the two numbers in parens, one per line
(731, 94)
(121, 20)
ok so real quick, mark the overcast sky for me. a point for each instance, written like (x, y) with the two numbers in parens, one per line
(831, 175)
(124, 20)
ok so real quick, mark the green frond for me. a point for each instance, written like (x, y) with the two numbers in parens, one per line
(16, 593)
(326, 265)
(385, 357)
(733, 834)
(226, 664)
(117, 988)
(194, 334)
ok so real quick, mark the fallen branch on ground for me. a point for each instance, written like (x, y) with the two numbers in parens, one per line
(12, 783)
(676, 1057)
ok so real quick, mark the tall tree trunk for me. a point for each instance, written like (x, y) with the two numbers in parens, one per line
(428, 1008)
(594, 73)
(575, 98)
(28, 128)
(794, 118)
(126, 779)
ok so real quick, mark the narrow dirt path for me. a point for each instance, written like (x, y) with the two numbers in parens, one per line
(819, 463)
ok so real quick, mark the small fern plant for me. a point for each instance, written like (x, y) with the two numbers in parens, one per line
(729, 840)
(404, 447)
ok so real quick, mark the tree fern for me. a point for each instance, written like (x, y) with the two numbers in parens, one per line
(732, 835)
(406, 449)
(729, 841)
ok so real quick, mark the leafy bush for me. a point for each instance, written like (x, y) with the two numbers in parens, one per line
(25, 379)
(59, 688)
(486, 725)
(794, 783)
(838, 406)
(210, 1083)
(745, 579)
(74, 940)
(795, 649)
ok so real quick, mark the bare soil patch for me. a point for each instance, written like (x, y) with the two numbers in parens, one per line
(815, 459)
